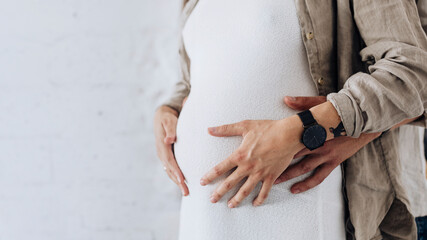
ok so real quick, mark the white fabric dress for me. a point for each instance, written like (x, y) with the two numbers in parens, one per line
(246, 55)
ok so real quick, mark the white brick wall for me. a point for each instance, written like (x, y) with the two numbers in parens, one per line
(79, 80)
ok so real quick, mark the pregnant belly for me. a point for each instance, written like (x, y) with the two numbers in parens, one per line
(197, 151)
(302, 216)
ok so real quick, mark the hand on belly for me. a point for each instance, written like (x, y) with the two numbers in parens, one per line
(267, 149)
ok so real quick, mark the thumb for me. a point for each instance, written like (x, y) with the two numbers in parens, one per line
(303, 103)
(233, 129)
(170, 130)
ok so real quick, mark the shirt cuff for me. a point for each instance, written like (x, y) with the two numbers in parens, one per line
(346, 110)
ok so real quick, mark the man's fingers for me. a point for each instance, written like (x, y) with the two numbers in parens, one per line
(319, 175)
(303, 152)
(306, 165)
(233, 129)
(303, 103)
(169, 126)
(243, 192)
(263, 194)
(227, 185)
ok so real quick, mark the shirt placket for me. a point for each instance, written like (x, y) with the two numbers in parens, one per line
(309, 39)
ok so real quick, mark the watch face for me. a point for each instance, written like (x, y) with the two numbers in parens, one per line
(314, 137)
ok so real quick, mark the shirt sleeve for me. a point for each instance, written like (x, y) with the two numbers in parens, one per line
(422, 10)
(394, 86)
(182, 87)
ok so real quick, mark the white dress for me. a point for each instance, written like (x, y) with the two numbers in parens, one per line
(246, 55)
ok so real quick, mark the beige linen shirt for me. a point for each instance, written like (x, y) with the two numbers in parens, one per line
(369, 58)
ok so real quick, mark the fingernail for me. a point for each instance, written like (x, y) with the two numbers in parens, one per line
(230, 205)
(296, 190)
(182, 190)
(291, 98)
(202, 182)
(212, 129)
(213, 200)
(255, 204)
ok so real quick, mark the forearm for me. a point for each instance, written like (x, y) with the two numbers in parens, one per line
(327, 116)
(394, 86)
(406, 121)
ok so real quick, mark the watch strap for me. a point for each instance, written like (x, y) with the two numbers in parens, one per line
(338, 131)
(307, 118)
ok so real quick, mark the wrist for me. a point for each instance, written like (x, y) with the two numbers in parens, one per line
(327, 116)
(292, 128)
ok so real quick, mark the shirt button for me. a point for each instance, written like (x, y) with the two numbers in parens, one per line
(309, 35)
(320, 81)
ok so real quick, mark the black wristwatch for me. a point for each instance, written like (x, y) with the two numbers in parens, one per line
(314, 135)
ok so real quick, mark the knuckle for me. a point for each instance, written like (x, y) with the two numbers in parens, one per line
(249, 167)
(305, 167)
(227, 185)
(269, 178)
(166, 121)
(217, 170)
(240, 156)
(245, 124)
(223, 128)
(245, 192)
(259, 174)
(263, 196)
(216, 195)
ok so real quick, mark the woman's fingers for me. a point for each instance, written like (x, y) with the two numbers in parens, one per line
(243, 192)
(306, 165)
(233, 129)
(226, 185)
(219, 169)
(177, 173)
(263, 194)
(319, 175)
(169, 126)
(165, 132)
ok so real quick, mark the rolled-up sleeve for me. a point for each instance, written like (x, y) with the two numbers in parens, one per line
(422, 10)
(394, 87)
(182, 87)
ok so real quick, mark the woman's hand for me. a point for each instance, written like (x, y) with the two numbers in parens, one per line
(165, 122)
(267, 149)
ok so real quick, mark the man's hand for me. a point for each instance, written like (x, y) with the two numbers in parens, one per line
(324, 159)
